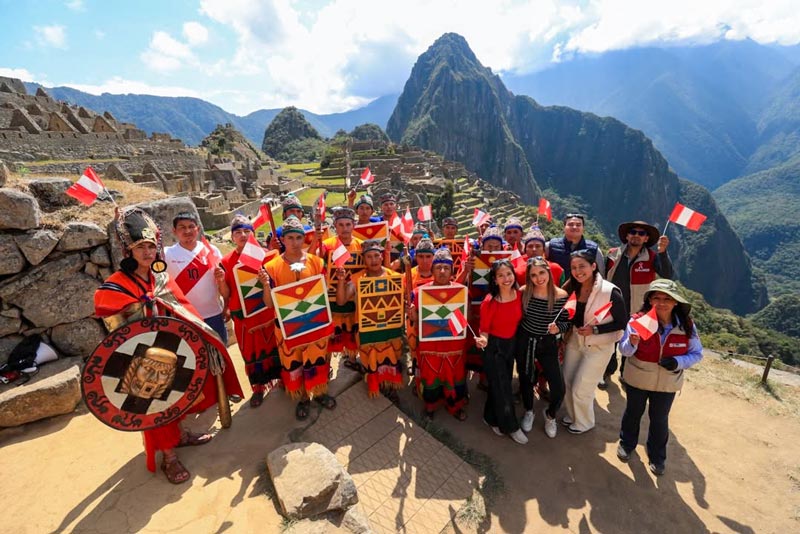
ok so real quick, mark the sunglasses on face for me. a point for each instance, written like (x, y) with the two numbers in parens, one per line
(637, 232)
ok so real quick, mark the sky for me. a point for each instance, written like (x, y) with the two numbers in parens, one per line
(333, 55)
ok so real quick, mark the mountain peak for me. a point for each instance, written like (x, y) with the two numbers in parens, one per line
(450, 45)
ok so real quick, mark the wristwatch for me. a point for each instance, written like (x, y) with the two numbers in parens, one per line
(595, 330)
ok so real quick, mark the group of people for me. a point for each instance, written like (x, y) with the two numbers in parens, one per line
(558, 309)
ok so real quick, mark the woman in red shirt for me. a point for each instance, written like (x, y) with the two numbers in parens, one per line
(501, 312)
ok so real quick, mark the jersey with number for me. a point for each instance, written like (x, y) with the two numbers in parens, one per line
(193, 271)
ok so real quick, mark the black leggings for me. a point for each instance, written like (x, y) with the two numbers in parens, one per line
(498, 364)
(545, 350)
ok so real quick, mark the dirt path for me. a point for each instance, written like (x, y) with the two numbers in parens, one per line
(732, 468)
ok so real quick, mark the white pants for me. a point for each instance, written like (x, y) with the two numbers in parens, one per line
(583, 368)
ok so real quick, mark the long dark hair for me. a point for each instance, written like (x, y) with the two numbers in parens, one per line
(573, 285)
(679, 312)
(494, 289)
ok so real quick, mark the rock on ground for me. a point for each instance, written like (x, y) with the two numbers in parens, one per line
(18, 210)
(79, 338)
(81, 235)
(11, 259)
(55, 391)
(309, 480)
(51, 192)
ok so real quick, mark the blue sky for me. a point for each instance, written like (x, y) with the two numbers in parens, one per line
(334, 55)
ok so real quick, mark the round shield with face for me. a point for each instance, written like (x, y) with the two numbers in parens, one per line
(145, 374)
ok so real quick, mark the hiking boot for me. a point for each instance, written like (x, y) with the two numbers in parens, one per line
(519, 436)
(527, 421)
(656, 469)
(550, 426)
(622, 454)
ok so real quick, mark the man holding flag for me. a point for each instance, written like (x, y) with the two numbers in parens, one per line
(194, 264)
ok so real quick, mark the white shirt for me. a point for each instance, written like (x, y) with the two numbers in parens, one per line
(192, 271)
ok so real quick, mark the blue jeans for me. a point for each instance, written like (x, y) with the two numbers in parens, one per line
(218, 324)
(658, 412)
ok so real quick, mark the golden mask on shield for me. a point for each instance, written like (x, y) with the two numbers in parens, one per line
(149, 376)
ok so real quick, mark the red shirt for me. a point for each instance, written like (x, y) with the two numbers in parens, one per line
(500, 319)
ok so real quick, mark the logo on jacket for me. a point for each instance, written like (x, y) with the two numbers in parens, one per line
(642, 267)
(677, 345)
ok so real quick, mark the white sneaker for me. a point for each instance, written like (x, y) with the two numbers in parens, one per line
(527, 421)
(519, 436)
(550, 426)
(495, 429)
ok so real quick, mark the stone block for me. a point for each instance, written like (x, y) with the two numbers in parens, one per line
(11, 259)
(100, 257)
(9, 325)
(51, 192)
(351, 521)
(91, 269)
(79, 338)
(18, 210)
(7, 344)
(36, 244)
(56, 390)
(4, 174)
(81, 235)
(309, 480)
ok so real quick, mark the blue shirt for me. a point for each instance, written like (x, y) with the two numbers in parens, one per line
(694, 350)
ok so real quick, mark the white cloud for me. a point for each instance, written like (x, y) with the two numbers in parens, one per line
(51, 36)
(195, 33)
(167, 54)
(23, 74)
(75, 5)
(118, 85)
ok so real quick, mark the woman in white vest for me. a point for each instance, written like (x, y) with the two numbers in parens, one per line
(599, 321)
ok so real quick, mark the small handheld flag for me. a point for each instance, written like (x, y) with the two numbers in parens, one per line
(686, 217)
(571, 305)
(87, 188)
(252, 254)
(340, 254)
(457, 322)
(367, 177)
(602, 312)
(425, 213)
(262, 217)
(545, 208)
(480, 217)
(408, 222)
(646, 325)
(211, 254)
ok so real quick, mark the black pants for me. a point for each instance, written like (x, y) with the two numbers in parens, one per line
(658, 412)
(546, 353)
(498, 364)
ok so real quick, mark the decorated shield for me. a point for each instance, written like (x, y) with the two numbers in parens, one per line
(303, 311)
(437, 305)
(145, 374)
(249, 290)
(376, 230)
(479, 283)
(380, 308)
(456, 248)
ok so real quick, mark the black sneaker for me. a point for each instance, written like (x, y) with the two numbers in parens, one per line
(622, 454)
(657, 470)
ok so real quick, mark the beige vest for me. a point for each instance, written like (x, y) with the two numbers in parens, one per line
(599, 297)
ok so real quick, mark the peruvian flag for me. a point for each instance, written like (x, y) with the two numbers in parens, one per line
(210, 253)
(480, 217)
(571, 305)
(86, 189)
(252, 254)
(340, 254)
(545, 208)
(646, 325)
(457, 322)
(262, 218)
(321, 206)
(425, 213)
(408, 222)
(367, 177)
(515, 254)
(466, 250)
(602, 312)
(686, 217)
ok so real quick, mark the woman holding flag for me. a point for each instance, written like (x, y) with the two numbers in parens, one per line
(544, 316)
(660, 342)
(599, 320)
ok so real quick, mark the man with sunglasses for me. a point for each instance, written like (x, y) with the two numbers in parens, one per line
(558, 249)
(633, 266)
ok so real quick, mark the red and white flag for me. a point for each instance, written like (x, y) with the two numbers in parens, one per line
(545, 208)
(571, 305)
(321, 206)
(340, 254)
(425, 213)
(262, 217)
(87, 188)
(210, 253)
(367, 177)
(602, 312)
(466, 250)
(646, 325)
(480, 217)
(408, 223)
(252, 254)
(686, 217)
(457, 322)
(515, 254)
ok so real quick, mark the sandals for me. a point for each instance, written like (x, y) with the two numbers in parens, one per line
(174, 470)
(190, 439)
(461, 415)
(257, 399)
(326, 401)
(301, 412)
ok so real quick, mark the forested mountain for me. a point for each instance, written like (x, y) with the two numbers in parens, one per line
(191, 119)
(454, 105)
(702, 106)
